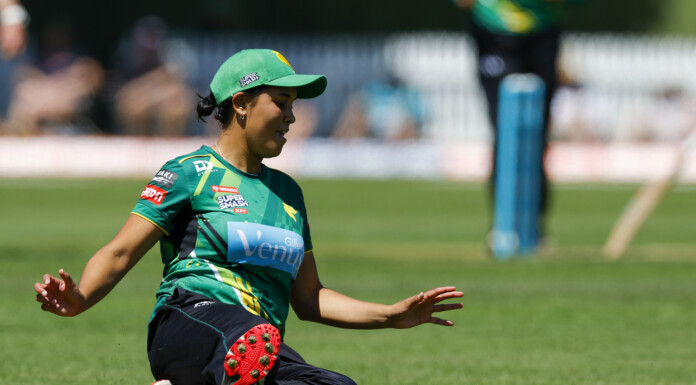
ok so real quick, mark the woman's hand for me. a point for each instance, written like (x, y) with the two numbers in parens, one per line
(103, 271)
(419, 309)
(60, 296)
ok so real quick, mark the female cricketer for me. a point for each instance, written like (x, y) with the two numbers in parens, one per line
(236, 247)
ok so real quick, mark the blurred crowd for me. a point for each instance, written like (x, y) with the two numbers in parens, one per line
(51, 84)
(584, 113)
(60, 88)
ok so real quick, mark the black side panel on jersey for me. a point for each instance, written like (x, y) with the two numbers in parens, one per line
(184, 238)
(219, 248)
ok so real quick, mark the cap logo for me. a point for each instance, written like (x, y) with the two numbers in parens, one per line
(245, 81)
(284, 60)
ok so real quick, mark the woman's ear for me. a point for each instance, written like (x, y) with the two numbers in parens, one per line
(240, 104)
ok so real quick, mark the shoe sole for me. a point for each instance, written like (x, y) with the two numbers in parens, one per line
(252, 356)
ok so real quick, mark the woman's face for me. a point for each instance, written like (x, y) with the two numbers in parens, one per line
(268, 120)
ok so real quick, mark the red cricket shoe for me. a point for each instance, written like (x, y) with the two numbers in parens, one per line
(252, 356)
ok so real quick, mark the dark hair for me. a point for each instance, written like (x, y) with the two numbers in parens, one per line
(222, 112)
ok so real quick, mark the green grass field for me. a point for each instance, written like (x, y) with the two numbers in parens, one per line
(564, 317)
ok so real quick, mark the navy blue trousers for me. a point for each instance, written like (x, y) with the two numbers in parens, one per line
(189, 337)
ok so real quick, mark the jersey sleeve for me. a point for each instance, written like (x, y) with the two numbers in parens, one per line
(164, 197)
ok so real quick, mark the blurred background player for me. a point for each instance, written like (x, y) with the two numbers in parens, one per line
(149, 92)
(385, 109)
(56, 87)
(13, 42)
(516, 36)
(13, 33)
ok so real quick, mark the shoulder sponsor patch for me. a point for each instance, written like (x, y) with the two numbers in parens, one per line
(240, 211)
(153, 194)
(225, 189)
(165, 178)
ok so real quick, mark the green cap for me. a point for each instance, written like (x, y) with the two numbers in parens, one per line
(255, 67)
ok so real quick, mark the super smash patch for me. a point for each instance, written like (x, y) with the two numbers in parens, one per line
(245, 81)
(153, 194)
(165, 178)
(231, 201)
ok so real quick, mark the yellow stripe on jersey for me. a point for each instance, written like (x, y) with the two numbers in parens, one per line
(150, 220)
(243, 288)
(206, 173)
(193, 156)
(249, 299)
(230, 179)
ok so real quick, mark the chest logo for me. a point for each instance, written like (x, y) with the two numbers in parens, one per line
(224, 189)
(263, 245)
(202, 165)
(290, 211)
(231, 201)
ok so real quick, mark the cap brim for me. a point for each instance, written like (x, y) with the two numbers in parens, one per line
(308, 86)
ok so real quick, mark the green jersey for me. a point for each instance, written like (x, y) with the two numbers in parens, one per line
(231, 236)
(517, 17)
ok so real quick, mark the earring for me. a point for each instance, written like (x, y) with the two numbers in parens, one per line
(242, 117)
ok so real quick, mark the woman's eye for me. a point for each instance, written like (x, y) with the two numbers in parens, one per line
(283, 105)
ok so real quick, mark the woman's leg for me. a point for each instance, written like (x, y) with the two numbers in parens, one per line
(193, 338)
